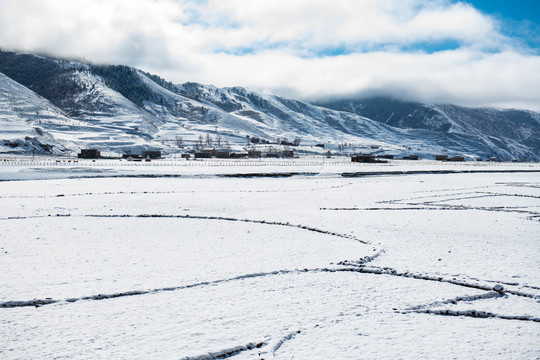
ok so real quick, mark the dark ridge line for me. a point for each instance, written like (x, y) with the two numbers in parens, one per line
(393, 272)
(515, 209)
(198, 217)
(40, 302)
(489, 295)
(511, 195)
(357, 269)
(227, 353)
(436, 195)
(387, 209)
(168, 192)
(432, 172)
(477, 314)
(275, 175)
(281, 341)
(222, 218)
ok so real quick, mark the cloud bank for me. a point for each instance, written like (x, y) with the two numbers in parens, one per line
(428, 50)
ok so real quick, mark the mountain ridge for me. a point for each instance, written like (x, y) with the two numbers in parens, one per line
(118, 108)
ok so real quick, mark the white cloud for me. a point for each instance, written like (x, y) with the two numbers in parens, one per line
(279, 45)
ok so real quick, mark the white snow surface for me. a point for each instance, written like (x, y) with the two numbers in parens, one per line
(179, 260)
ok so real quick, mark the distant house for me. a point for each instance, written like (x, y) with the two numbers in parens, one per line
(239, 155)
(89, 154)
(132, 156)
(186, 156)
(385, 156)
(457, 158)
(363, 158)
(223, 154)
(288, 153)
(203, 155)
(441, 157)
(254, 153)
(271, 155)
(411, 157)
(151, 154)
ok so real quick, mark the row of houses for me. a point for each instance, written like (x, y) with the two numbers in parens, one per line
(213, 153)
(371, 158)
(96, 154)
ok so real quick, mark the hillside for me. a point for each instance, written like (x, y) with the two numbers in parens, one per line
(514, 131)
(68, 105)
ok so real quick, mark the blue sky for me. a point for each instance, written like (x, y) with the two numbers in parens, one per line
(518, 18)
(470, 52)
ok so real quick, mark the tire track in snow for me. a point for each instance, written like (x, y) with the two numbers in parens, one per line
(477, 314)
(227, 353)
(442, 207)
(468, 298)
(170, 192)
(358, 269)
(223, 218)
(199, 217)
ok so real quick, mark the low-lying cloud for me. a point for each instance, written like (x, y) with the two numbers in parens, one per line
(429, 50)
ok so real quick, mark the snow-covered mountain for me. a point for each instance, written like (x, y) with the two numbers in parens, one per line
(511, 131)
(54, 105)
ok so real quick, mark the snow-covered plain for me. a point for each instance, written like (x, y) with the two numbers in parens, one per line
(176, 260)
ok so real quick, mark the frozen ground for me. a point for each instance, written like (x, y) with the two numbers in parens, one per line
(192, 263)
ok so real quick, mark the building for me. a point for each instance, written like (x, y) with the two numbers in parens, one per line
(441, 157)
(363, 158)
(89, 154)
(254, 153)
(203, 155)
(411, 157)
(152, 154)
(457, 158)
(288, 153)
(223, 154)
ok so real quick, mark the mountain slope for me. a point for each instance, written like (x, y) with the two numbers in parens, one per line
(122, 109)
(512, 132)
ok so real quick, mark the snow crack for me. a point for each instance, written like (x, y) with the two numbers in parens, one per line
(478, 314)
(227, 353)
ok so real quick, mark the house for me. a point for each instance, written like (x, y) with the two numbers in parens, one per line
(457, 158)
(254, 153)
(288, 153)
(364, 158)
(186, 156)
(132, 156)
(411, 157)
(151, 154)
(89, 154)
(441, 157)
(203, 155)
(239, 155)
(223, 154)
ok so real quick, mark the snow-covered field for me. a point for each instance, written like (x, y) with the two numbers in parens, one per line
(196, 261)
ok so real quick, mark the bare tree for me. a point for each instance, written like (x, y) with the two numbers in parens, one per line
(218, 140)
(209, 140)
(199, 143)
(179, 141)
